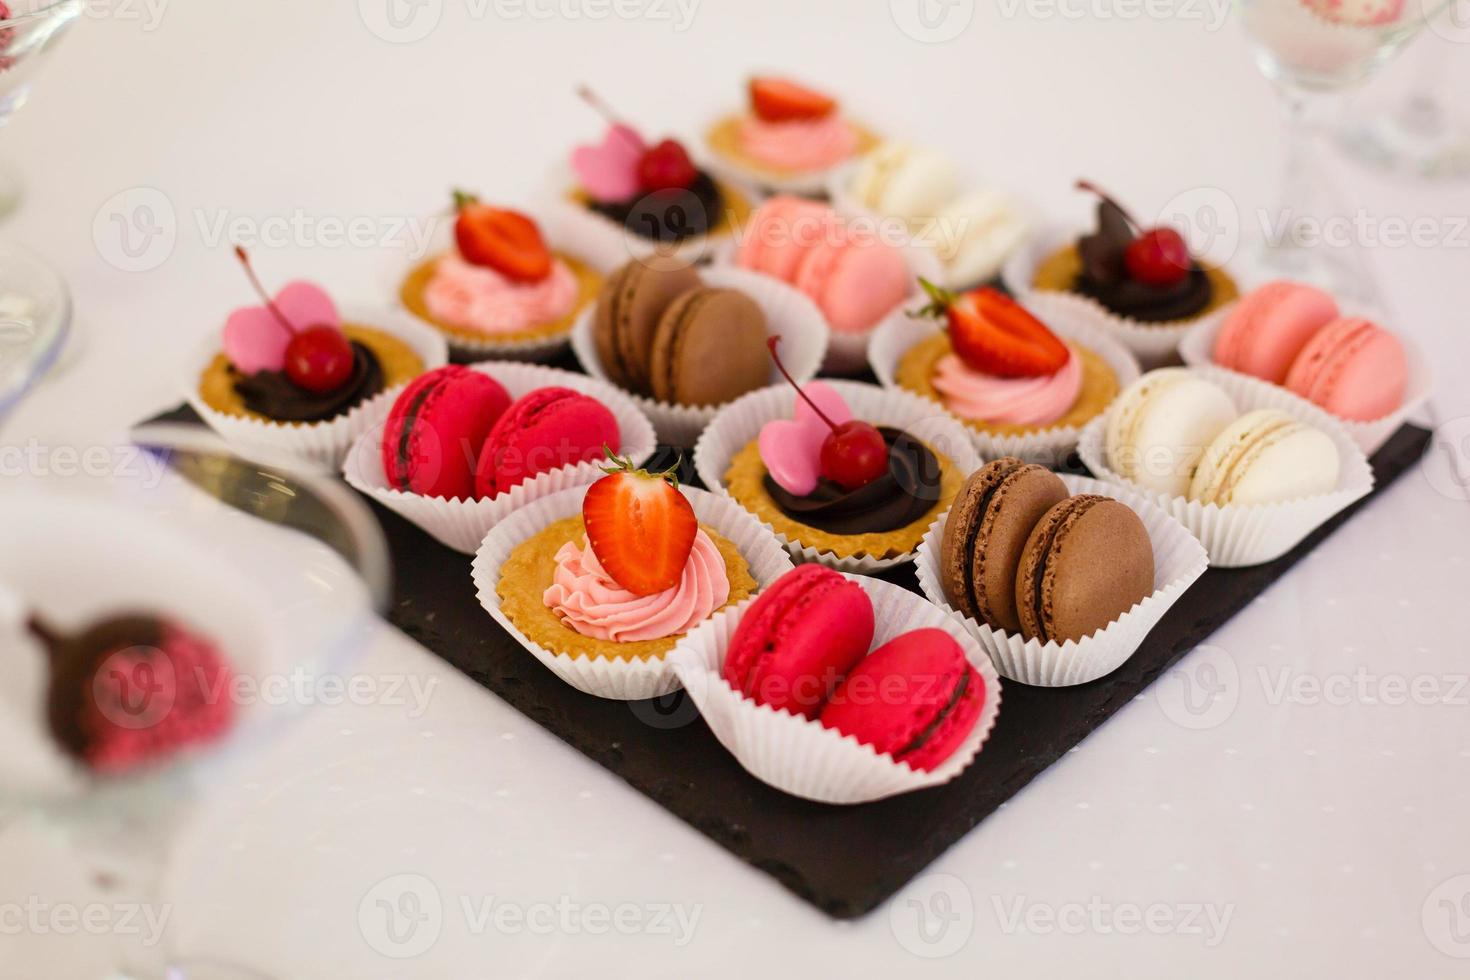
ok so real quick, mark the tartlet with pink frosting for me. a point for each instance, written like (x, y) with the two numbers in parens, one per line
(789, 137)
(501, 284)
(626, 578)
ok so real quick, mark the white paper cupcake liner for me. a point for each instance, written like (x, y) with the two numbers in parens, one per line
(462, 524)
(789, 314)
(1152, 344)
(562, 235)
(1050, 447)
(321, 444)
(623, 680)
(741, 421)
(1236, 536)
(1179, 559)
(1198, 347)
(802, 757)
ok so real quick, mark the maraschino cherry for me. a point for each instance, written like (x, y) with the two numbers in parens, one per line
(318, 358)
(1157, 256)
(665, 166)
(854, 453)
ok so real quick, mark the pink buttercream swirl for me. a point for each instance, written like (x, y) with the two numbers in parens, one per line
(1008, 401)
(590, 602)
(475, 297)
(799, 144)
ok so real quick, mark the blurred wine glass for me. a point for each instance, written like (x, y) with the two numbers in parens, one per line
(1313, 51)
(28, 30)
(35, 318)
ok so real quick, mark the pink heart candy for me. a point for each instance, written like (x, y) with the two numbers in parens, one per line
(792, 449)
(256, 341)
(608, 171)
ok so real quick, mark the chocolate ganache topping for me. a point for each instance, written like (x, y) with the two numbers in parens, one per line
(274, 395)
(903, 495)
(668, 215)
(1104, 276)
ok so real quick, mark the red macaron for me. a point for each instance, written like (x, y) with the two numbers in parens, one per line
(546, 429)
(916, 698)
(799, 639)
(434, 431)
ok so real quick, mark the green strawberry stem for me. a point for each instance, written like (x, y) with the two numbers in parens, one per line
(941, 300)
(624, 464)
(463, 199)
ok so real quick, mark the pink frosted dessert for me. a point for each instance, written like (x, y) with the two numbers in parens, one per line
(588, 600)
(477, 297)
(1358, 13)
(798, 144)
(980, 397)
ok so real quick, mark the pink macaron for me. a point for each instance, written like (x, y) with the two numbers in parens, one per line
(544, 430)
(799, 639)
(855, 280)
(915, 698)
(435, 429)
(1353, 368)
(1269, 327)
(781, 232)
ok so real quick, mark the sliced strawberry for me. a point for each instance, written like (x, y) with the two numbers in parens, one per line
(780, 100)
(640, 527)
(506, 241)
(995, 335)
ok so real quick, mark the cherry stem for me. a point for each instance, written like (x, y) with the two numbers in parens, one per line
(603, 109)
(1087, 185)
(775, 342)
(270, 304)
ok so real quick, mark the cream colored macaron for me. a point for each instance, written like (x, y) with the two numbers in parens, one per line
(975, 234)
(1264, 457)
(906, 181)
(1160, 426)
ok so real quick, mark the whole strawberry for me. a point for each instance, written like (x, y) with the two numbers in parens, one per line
(640, 527)
(995, 335)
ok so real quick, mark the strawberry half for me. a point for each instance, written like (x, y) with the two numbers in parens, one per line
(640, 527)
(506, 241)
(995, 335)
(780, 100)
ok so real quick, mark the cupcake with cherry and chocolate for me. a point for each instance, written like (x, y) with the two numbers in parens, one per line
(648, 196)
(297, 375)
(789, 138)
(503, 289)
(843, 472)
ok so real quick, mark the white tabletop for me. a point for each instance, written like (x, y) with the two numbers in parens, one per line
(1309, 819)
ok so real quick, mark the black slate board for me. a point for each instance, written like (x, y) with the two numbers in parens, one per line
(841, 859)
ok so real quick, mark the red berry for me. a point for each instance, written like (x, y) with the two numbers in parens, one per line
(995, 335)
(506, 241)
(666, 167)
(854, 455)
(640, 527)
(319, 359)
(780, 100)
(1158, 257)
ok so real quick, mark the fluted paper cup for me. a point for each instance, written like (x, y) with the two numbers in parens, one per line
(1234, 535)
(605, 677)
(1049, 446)
(1198, 349)
(740, 422)
(789, 315)
(1179, 559)
(320, 444)
(562, 234)
(768, 181)
(1154, 344)
(801, 757)
(461, 524)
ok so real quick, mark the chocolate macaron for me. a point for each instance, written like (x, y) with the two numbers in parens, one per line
(629, 308)
(1087, 562)
(710, 348)
(984, 535)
